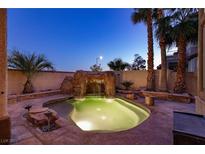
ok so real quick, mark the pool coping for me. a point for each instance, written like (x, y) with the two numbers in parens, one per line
(101, 131)
(135, 103)
(156, 130)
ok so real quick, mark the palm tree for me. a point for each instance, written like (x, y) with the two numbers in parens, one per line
(184, 30)
(118, 65)
(162, 27)
(162, 44)
(145, 16)
(30, 64)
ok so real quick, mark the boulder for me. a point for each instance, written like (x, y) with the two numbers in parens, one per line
(79, 83)
(67, 85)
(110, 81)
(84, 82)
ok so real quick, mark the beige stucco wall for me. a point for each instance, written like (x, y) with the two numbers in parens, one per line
(200, 98)
(140, 80)
(42, 81)
(52, 80)
(191, 83)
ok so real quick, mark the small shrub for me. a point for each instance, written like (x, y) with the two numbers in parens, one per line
(127, 84)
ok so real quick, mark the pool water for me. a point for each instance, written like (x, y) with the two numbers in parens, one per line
(108, 115)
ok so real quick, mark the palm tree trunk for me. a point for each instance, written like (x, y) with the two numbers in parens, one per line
(162, 44)
(150, 76)
(180, 86)
(28, 87)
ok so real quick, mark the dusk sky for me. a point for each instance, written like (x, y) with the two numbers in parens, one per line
(73, 38)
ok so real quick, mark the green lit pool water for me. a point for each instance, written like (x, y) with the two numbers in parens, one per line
(102, 114)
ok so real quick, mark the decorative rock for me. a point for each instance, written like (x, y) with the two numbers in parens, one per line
(110, 81)
(67, 85)
(82, 79)
(79, 83)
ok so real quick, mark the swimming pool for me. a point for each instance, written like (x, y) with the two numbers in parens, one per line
(94, 113)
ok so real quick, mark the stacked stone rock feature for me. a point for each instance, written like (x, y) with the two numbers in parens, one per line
(79, 84)
(110, 81)
(81, 79)
(67, 85)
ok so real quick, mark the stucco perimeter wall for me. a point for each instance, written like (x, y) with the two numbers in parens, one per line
(140, 80)
(52, 80)
(42, 81)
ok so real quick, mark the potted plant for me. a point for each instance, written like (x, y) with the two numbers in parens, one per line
(127, 92)
(127, 84)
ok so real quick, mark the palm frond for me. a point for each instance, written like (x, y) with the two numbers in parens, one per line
(139, 15)
(29, 63)
(163, 27)
(118, 65)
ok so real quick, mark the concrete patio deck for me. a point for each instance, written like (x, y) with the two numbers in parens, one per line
(155, 130)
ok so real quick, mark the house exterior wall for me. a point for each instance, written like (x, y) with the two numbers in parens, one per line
(192, 65)
(3, 63)
(5, 124)
(42, 81)
(191, 58)
(200, 98)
